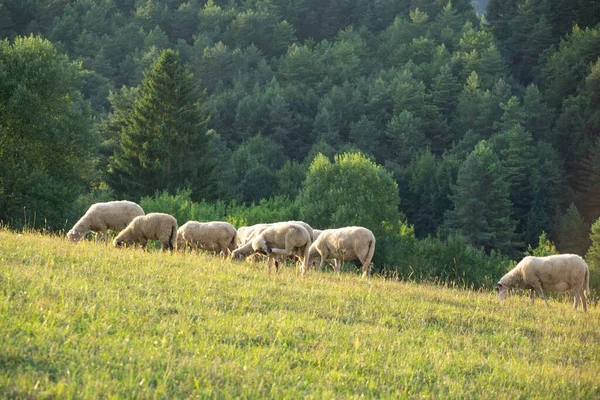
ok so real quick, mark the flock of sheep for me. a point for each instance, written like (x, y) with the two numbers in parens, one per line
(278, 241)
(296, 239)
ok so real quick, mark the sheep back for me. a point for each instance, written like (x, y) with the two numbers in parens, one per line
(215, 235)
(345, 244)
(100, 217)
(556, 273)
(153, 226)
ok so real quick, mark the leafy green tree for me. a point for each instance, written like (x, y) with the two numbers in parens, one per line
(593, 255)
(350, 191)
(47, 150)
(482, 208)
(572, 232)
(544, 248)
(290, 178)
(164, 143)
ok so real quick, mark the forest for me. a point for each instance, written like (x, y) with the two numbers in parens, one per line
(464, 134)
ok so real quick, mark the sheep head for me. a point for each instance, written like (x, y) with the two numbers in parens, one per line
(502, 290)
(74, 236)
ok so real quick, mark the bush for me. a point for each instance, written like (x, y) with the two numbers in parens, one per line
(453, 260)
(184, 209)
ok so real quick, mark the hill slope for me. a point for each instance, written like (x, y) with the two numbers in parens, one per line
(88, 320)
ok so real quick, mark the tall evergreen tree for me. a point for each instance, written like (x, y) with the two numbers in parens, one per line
(164, 143)
(572, 232)
(589, 183)
(482, 208)
(518, 159)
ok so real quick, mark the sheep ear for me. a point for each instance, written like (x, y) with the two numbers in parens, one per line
(269, 250)
(498, 286)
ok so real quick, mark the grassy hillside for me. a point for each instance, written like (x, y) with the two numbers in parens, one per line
(92, 321)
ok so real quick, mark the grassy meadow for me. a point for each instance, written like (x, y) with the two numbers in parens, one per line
(89, 321)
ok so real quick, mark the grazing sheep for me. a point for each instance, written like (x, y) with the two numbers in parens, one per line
(557, 273)
(316, 233)
(350, 243)
(279, 240)
(207, 236)
(245, 234)
(153, 226)
(100, 217)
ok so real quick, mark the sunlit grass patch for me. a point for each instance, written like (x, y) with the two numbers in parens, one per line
(89, 320)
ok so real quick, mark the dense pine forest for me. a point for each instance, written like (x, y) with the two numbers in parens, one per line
(463, 134)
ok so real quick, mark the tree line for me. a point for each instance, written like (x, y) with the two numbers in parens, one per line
(432, 118)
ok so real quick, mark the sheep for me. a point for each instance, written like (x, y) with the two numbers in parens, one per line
(246, 233)
(207, 236)
(100, 217)
(153, 226)
(277, 240)
(316, 233)
(557, 273)
(349, 243)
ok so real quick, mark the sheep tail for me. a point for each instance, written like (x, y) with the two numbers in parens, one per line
(370, 256)
(173, 238)
(232, 245)
(586, 283)
(306, 255)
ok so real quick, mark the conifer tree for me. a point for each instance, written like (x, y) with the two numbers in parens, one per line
(572, 232)
(164, 143)
(518, 159)
(482, 208)
(589, 183)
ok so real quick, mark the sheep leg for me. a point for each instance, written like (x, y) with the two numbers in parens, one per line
(576, 302)
(531, 295)
(538, 289)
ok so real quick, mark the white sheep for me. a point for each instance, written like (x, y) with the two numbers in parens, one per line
(153, 226)
(100, 217)
(557, 273)
(349, 243)
(316, 233)
(214, 236)
(245, 234)
(279, 240)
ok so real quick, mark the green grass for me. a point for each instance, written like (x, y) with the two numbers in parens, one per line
(89, 321)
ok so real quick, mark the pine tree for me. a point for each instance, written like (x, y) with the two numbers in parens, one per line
(446, 89)
(537, 118)
(164, 144)
(589, 183)
(482, 208)
(518, 159)
(572, 232)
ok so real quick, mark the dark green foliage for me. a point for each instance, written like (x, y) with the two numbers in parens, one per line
(426, 190)
(415, 84)
(350, 191)
(482, 208)
(572, 232)
(593, 255)
(47, 149)
(452, 260)
(544, 247)
(164, 145)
